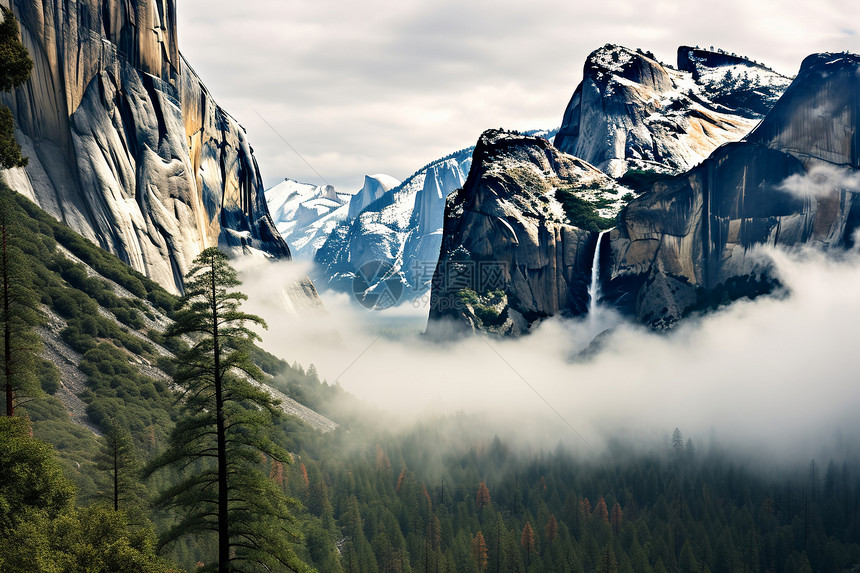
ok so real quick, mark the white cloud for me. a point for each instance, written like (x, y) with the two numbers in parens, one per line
(821, 180)
(778, 375)
(384, 86)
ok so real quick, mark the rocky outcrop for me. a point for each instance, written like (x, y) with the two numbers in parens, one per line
(125, 143)
(688, 243)
(510, 255)
(818, 116)
(632, 112)
(401, 232)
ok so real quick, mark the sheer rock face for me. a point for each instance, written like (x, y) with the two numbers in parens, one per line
(792, 182)
(423, 241)
(633, 112)
(509, 257)
(126, 145)
(688, 242)
(817, 117)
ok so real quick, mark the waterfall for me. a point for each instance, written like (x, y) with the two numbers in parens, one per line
(594, 289)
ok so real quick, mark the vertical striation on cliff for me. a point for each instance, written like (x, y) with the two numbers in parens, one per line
(688, 243)
(126, 144)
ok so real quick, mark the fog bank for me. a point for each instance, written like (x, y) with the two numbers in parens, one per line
(776, 375)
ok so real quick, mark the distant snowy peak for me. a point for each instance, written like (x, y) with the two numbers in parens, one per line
(304, 214)
(375, 186)
(633, 112)
(401, 228)
(287, 198)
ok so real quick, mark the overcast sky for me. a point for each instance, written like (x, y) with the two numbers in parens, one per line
(380, 86)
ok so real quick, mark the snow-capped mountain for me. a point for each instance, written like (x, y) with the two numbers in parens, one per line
(305, 214)
(400, 228)
(632, 112)
(749, 88)
(375, 186)
(688, 243)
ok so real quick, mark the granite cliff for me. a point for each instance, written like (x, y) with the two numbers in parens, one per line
(126, 144)
(633, 112)
(515, 243)
(686, 244)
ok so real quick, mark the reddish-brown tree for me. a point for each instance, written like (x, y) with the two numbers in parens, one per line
(601, 511)
(527, 541)
(276, 473)
(400, 479)
(551, 528)
(479, 551)
(483, 496)
(586, 505)
(427, 495)
(382, 461)
(305, 474)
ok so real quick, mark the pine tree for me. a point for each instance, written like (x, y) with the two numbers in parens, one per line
(15, 67)
(600, 510)
(677, 441)
(607, 563)
(432, 543)
(586, 505)
(31, 479)
(616, 518)
(118, 459)
(687, 561)
(222, 435)
(18, 313)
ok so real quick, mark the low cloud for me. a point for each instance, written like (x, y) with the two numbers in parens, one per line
(822, 180)
(775, 375)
